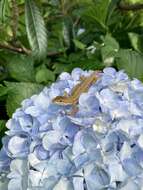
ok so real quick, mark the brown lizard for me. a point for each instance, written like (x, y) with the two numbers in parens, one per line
(77, 91)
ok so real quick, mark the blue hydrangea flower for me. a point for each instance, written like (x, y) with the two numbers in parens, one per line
(99, 147)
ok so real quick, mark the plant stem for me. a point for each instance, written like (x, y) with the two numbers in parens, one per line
(15, 15)
(26, 51)
(130, 7)
(15, 49)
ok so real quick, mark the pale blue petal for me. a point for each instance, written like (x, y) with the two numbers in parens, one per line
(117, 172)
(20, 180)
(63, 184)
(76, 73)
(42, 101)
(65, 76)
(78, 180)
(13, 125)
(81, 160)
(78, 183)
(41, 153)
(4, 184)
(18, 145)
(137, 85)
(51, 137)
(140, 141)
(19, 165)
(78, 147)
(26, 103)
(50, 183)
(96, 178)
(33, 111)
(35, 178)
(126, 151)
(52, 94)
(109, 71)
(131, 167)
(15, 184)
(130, 185)
(4, 160)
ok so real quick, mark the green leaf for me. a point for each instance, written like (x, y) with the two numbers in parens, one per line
(3, 9)
(79, 44)
(131, 62)
(3, 90)
(113, 14)
(136, 41)
(19, 91)
(68, 32)
(2, 125)
(109, 49)
(36, 30)
(2, 130)
(98, 11)
(86, 64)
(21, 68)
(59, 68)
(44, 75)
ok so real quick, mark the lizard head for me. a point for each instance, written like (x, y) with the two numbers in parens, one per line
(61, 100)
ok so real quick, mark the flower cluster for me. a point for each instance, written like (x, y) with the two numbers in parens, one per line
(99, 147)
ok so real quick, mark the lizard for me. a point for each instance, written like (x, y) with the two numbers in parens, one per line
(77, 91)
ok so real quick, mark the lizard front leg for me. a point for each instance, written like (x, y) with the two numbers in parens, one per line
(74, 110)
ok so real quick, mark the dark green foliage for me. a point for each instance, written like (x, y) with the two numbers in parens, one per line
(21, 68)
(2, 129)
(131, 62)
(36, 30)
(56, 36)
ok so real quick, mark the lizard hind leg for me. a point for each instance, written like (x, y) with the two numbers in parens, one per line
(82, 78)
(96, 77)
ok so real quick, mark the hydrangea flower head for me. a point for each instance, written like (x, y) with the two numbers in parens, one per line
(99, 147)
